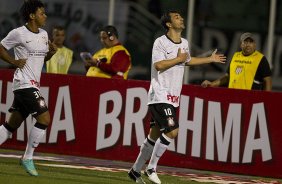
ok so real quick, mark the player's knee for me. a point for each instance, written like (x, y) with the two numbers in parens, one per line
(172, 134)
(154, 133)
(44, 118)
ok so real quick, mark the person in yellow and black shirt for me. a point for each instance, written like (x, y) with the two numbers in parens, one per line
(248, 69)
(62, 60)
(112, 61)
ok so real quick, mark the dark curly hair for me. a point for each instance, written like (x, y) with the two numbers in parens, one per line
(30, 6)
(166, 18)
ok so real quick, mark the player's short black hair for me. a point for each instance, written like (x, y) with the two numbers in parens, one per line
(110, 30)
(30, 6)
(166, 18)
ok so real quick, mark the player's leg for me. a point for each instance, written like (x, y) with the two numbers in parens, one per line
(161, 146)
(165, 116)
(17, 116)
(9, 127)
(36, 134)
(145, 153)
(146, 148)
(36, 105)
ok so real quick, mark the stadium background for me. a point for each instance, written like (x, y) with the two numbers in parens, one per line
(216, 24)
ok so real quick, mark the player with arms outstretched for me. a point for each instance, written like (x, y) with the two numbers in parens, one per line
(169, 56)
(31, 48)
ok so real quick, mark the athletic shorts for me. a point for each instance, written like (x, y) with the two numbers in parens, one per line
(28, 101)
(165, 116)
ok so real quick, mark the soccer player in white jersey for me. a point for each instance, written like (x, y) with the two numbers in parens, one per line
(170, 54)
(31, 48)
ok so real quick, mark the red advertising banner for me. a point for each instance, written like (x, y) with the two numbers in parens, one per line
(235, 131)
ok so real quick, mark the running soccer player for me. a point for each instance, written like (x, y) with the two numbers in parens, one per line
(31, 48)
(169, 56)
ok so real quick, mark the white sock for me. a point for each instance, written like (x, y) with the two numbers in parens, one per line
(158, 151)
(145, 153)
(4, 134)
(35, 137)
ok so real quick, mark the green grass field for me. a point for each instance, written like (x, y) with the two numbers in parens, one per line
(13, 173)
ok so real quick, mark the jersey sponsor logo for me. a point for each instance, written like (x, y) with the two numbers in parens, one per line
(243, 61)
(172, 98)
(35, 83)
(239, 70)
(37, 53)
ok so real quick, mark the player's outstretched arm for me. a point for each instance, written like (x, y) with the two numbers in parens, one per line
(214, 58)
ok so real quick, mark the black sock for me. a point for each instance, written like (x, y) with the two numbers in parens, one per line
(40, 126)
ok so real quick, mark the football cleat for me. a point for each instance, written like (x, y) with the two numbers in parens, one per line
(29, 166)
(152, 175)
(135, 176)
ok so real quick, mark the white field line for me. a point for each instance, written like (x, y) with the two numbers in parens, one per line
(194, 177)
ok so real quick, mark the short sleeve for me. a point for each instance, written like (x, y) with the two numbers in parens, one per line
(263, 69)
(188, 51)
(158, 52)
(11, 40)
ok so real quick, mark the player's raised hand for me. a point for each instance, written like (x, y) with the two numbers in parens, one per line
(218, 58)
(52, 47)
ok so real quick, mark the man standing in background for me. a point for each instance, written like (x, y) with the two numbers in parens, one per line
(62, 60)
(248, 69)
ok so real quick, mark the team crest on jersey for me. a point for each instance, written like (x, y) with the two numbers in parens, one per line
(239, 70)
(45, 39)
(170, 121)
(42, 103)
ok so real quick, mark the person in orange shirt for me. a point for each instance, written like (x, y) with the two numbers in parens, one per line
(112, 61)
